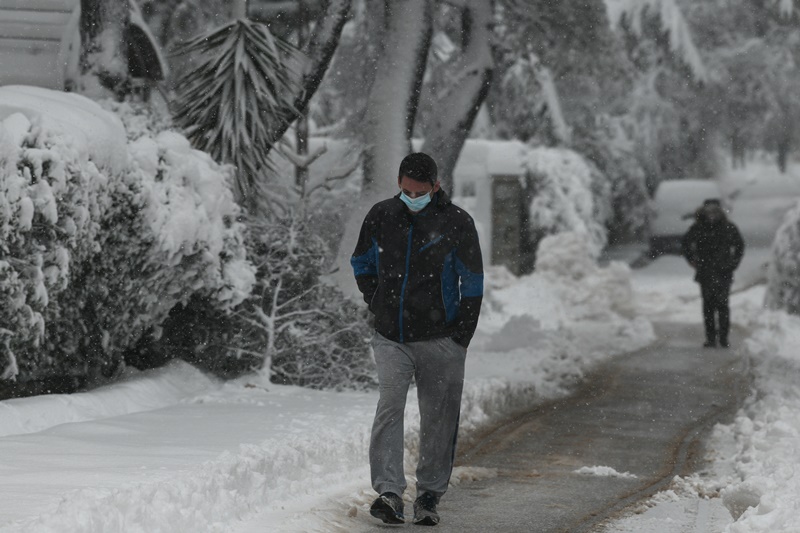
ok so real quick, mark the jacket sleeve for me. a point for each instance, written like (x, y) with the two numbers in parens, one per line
(737, 245)
(469, 267)
(689, 246)
(365, 257)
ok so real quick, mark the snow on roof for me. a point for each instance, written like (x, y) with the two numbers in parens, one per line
(481, 157)
(97, 134)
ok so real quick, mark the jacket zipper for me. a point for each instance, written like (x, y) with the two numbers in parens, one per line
(405, 281)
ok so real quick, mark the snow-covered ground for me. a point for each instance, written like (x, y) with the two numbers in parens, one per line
(174, 450)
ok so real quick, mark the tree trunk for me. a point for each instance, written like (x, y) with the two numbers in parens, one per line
(394, 96)
(103, 64)
(301, 126)
(389, 117)
(455, 112)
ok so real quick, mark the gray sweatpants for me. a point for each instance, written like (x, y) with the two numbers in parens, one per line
(437, 366)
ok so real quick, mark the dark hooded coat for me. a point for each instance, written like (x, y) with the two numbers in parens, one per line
(714, 249)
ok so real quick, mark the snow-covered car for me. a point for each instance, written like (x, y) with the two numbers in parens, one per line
(673, 209)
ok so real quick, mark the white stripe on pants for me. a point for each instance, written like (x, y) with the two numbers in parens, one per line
(437, 366)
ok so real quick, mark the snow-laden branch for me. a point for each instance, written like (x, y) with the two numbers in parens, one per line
(672, 21)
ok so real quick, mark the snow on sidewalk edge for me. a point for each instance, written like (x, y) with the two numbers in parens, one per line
(143, 391)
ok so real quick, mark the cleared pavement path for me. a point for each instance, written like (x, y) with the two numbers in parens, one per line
(644, 414)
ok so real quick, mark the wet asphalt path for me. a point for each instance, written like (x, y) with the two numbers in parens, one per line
(645, 414)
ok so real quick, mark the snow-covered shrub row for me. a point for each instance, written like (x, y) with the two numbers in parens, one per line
(93, 257)
(304, 331)
(568, 194)
(783, 277)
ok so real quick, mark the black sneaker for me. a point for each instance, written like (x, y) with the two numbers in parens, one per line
(389, 508)
(724, 343)
(710, 344)
(425, 510)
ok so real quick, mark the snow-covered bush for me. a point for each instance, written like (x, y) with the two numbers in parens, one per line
(783, 287)
(300, 330)
(96, 248)
(568, 194)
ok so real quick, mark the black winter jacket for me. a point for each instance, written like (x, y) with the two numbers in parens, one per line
(421, 274)
(715, 250)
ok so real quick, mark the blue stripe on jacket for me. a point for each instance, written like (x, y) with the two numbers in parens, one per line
(366, 264)
(471, 285)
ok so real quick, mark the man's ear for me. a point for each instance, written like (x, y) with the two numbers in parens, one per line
(399, 180)
(436, 186)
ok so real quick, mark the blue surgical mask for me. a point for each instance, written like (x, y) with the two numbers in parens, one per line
(416, 204)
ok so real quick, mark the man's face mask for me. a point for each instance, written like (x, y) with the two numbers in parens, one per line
(416, 204)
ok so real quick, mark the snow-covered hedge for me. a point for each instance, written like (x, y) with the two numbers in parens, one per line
(783, 288)
(100, 238)
(569, 194)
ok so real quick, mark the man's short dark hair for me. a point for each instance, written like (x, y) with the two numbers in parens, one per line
(419, 167)
(712, 201)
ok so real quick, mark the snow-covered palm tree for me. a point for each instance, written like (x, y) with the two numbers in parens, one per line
(230, 103)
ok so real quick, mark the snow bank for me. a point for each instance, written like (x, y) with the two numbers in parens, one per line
(141, 391)
(767, 432)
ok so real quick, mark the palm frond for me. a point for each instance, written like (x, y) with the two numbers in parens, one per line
(229, 104)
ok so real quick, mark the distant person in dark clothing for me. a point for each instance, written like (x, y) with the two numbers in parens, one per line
(714, 247)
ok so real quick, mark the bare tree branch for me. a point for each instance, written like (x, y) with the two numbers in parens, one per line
(320, 50)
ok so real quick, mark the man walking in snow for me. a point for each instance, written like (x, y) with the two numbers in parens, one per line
(714, 247)
(418, 264)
